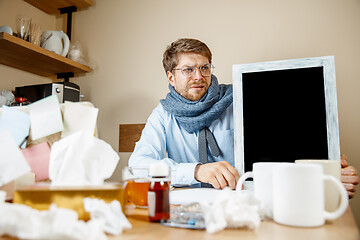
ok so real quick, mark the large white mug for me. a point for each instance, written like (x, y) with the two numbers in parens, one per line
(262, 175)
(333, 168)
(298, 195)
(53, 41)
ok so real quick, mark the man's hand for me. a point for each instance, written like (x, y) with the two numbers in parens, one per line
(348, 176)
(218, 174)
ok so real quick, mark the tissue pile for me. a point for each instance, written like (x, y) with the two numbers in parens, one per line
(62, 223)
(115, 220)
(232, 210)
(81, 159)
(57, 142)
(56, 223)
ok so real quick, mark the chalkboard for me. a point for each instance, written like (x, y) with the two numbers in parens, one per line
(285, 110)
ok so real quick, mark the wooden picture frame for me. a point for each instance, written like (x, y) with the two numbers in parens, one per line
(285, 110)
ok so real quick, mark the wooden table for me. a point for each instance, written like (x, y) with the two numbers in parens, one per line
(344, 228)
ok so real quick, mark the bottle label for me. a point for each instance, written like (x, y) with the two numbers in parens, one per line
(151, 203)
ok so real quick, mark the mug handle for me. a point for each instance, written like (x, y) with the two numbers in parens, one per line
(66, 40)
(344, 199)
(242, 180)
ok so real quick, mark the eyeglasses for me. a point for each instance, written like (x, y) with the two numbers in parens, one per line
(189, 71)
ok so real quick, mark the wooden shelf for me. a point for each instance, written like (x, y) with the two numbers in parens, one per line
(29, 57)
(52, 6)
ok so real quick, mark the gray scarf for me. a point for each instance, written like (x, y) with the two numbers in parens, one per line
(198, 115)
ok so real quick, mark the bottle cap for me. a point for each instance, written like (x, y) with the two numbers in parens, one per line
(159, 169)
(20, 99)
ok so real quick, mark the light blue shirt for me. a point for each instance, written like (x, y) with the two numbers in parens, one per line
(162, 134)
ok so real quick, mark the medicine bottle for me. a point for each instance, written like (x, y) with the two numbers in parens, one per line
(158, 194)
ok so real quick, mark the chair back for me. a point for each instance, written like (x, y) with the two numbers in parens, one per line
(129, 134)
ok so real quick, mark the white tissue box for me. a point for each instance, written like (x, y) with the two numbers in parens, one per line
(41, 196)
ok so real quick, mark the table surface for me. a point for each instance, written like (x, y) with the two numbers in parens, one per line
(344, 228)
(341, 229)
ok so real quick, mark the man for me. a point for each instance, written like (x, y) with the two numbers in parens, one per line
(194, 123)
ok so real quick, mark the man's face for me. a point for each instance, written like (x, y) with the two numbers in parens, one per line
(192, 88)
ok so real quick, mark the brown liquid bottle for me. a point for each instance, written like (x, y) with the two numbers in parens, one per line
(158, 194)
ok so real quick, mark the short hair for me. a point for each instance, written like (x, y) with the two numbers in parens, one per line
(183, 45)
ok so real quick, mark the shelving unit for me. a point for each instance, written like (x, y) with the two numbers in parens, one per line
(17, 53)
(62, 7)
(53, 6)
(20, 54)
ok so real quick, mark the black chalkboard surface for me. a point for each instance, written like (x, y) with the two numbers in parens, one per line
(284, 116)
(284, 112)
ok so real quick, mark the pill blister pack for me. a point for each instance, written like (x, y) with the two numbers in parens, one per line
(186, 216)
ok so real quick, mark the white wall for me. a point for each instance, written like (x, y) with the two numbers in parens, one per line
(125, 39)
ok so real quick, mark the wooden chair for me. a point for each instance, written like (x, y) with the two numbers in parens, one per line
(129, 134)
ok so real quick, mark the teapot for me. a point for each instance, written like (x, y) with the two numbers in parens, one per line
(52, 41)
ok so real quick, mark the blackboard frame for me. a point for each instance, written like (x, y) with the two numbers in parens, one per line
(328, 65)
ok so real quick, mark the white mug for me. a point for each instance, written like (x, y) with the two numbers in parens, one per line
(53, 41)
(7, 29)
(263, 187)
(333, 168)
(298, 195)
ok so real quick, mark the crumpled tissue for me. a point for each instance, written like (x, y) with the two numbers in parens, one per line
(81, 159)
(115, 220)
(25, 222)
(232, 209)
